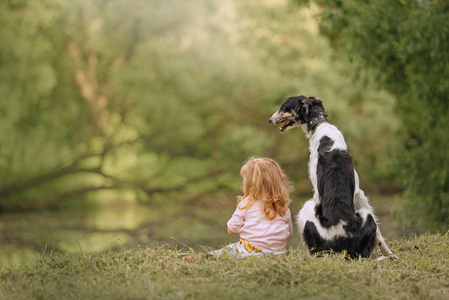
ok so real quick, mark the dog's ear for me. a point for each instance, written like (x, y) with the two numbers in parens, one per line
(317, 107)
(316, 101)
(302, 108)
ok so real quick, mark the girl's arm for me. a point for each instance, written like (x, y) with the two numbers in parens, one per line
(231, 232)
(236, 222)
(290, 225)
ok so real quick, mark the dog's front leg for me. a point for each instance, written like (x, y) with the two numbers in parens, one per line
(382, 244)
(361, 202)
(360, 199)
(383, 247)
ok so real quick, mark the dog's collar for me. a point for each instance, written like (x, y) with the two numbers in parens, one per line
(315, 121)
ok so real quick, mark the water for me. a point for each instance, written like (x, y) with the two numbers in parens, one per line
(115, 226)
(119, 226)
(28, 234)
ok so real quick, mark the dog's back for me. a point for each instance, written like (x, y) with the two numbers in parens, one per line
(335, 184)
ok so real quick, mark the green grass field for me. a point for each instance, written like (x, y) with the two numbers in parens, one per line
(421, 272)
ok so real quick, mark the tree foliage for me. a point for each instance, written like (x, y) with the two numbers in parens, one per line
(405, 45)
(163, 101)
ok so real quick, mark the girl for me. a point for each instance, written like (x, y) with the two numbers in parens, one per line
(262, 218)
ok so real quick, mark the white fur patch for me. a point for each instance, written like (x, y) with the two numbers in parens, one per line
(307, 213)
(274, 118)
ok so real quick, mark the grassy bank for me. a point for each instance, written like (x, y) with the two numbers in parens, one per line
(422, 272)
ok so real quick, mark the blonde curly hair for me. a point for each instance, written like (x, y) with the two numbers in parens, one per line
(265, 181)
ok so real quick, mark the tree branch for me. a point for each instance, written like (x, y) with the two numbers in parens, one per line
(5, 190)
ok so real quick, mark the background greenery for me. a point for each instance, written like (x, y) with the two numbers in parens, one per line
(161, 102)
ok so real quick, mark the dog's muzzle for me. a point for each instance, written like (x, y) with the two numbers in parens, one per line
(274, 118)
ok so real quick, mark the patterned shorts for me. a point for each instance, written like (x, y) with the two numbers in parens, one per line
(244, 248)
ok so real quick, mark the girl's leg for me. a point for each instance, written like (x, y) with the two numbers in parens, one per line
(227, 249)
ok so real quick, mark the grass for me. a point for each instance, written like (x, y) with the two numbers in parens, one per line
(422, 272)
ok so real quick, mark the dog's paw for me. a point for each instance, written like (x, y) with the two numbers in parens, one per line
(392, 256)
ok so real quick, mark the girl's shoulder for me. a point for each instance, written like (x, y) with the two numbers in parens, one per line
(246, 203)
(288, 214)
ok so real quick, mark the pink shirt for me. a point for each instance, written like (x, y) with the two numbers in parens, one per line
(251, 225)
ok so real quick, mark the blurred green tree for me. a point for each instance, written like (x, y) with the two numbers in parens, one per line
(161, 100)
(405, 44)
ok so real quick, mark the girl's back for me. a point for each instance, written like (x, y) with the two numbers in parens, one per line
(251, 224)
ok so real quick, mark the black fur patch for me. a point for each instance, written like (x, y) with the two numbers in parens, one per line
(362, 243)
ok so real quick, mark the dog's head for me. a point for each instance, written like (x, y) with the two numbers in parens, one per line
(298, 111)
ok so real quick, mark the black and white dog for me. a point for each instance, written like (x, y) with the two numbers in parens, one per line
(339, 216)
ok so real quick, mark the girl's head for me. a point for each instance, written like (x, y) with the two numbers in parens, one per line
(264, 180)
